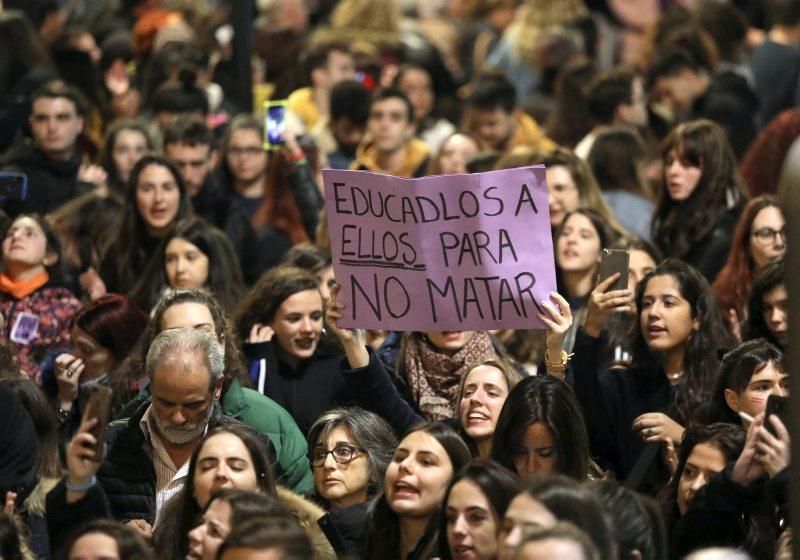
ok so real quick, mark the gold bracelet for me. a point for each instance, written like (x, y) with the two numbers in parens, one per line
(557, 366)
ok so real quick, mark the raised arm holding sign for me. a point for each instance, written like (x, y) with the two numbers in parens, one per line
(443, 253)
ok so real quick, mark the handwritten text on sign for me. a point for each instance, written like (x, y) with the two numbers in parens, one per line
(444, 253)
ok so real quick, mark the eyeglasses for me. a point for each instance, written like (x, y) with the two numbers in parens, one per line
(250, 151)
(342, 454)
(767, 235)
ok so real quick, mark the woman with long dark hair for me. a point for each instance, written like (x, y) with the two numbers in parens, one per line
(194, 255)
(767, 315)
(155, 201)
(126, 142)
(403, 523)
(702, 197)
(472, 511)
(541, 430)
(759, 238)
(280, 322)
(680, 328)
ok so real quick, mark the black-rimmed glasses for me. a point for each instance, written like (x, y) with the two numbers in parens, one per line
(767, 235)
(342, 454)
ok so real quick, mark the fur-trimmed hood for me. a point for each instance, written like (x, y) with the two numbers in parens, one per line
(307, 514)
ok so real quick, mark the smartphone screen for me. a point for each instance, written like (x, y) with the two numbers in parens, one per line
(99, 406)
(276, 124)
(613, 261)
(13, 186)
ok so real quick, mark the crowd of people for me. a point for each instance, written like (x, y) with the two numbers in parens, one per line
(157, 243)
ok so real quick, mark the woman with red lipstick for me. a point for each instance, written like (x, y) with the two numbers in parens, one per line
(403, 522)
(156, 200)
(281, 320)
(702, 197)
(672, 373)
(37, 313)
(194, 255)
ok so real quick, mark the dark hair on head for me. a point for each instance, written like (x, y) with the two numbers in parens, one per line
(385, 93)
(308, 257)
(493, 91)
(726, 25)
(736, 370)
(679, 225)
(224, 278)
(368, 431)
(635, 243)
(671, 63)
(234, 368)
(267, 295)
(130, 545)
(52, 243)
(561, 531)
(696, 385)
(498, 484)
(246, 505)
(45, 422)
(637, 521)
(114, 322)
(616, 159)
(9, 363)
(773, 275)
(281, 535)
(383, 525)
(184, 210)
(181, 95)
(106, 157)
(568, 500)
(12, 541)
(242, 121)
(350, 99)
(28, 53)
(783, 12)
(183, 511)
(546, 400)
(570, 119)
(727, 438)
(732, 285)
(316, 55)
(608, 91)
(190, 130)
(59, 89)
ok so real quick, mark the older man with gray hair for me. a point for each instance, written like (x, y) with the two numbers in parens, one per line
(149, 453)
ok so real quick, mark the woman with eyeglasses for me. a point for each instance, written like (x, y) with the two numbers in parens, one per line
(349, 450)
(759, 239)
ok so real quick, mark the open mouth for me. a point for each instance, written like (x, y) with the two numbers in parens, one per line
(404, 490)
(304, 343)
(477, 418)
(656, 330)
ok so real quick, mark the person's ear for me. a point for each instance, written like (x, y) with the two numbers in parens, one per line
(695, 325)
(50, 258)
(732, 399)
(410, 129)
(218, 388)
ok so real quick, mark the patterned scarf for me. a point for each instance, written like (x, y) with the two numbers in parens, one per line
(434, 376)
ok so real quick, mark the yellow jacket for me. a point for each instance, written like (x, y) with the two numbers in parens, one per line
(415, 164)
(301, 103)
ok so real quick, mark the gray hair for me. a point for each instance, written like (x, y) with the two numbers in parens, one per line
(173, 346)
(369, 431)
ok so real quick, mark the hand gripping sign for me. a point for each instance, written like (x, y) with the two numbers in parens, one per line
(442, 253)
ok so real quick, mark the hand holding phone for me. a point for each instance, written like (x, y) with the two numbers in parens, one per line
(615, 261)
(13, 186)
(99, 408)
(779, 406)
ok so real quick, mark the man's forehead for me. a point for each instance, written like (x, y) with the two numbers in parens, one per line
(53, 104)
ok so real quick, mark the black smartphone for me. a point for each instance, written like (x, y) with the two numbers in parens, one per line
(99, 406)
(13, 186)
(613, 261)
(276, 124)
(780, 407)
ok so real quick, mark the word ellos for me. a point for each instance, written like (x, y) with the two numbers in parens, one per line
(443, 253)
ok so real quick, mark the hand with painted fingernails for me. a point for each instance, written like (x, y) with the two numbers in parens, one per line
(68, 370)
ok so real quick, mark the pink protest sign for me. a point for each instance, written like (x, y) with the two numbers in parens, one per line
(443, 253)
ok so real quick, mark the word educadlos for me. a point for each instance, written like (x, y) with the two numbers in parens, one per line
(443, 253)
